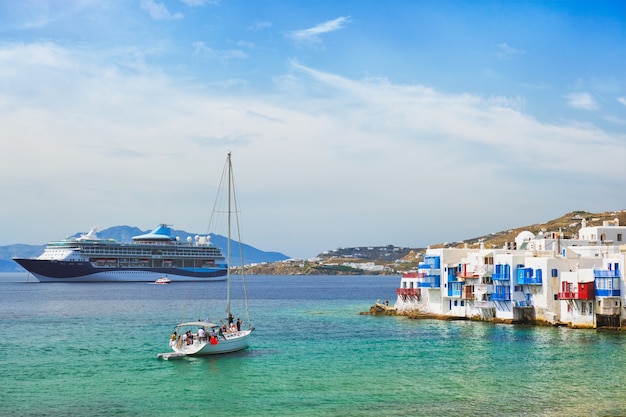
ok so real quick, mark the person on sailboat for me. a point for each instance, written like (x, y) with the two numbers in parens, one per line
(201, 334)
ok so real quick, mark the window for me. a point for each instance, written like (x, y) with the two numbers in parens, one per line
(619, 237)
(583, 308)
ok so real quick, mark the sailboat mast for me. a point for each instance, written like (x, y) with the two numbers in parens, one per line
(230, 173)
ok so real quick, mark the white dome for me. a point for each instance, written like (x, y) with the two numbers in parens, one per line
(524, 236)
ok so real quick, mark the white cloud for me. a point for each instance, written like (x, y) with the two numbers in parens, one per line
(582, 100)
(260, 25)
(311, 36)
(622, 100)
(343, 162)
(201, 50)
(33, 15)
(196, 3)
(159, 11)
(506, 51)
(246, 44)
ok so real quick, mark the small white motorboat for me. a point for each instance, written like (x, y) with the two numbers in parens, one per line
(163, 280)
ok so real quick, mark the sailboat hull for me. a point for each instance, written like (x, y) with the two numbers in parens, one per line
(225, 346)
(229, 343)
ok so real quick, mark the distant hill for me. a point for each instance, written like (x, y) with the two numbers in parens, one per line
(251, 255)
(568, 225)
(400, 259)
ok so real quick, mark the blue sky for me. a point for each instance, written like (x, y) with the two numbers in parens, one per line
(351, 123)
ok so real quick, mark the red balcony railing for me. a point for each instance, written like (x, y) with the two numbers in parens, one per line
(568, 295)
(409, 292)
(579, 291)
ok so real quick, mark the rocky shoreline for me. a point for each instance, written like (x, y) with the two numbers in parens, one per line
(309, 268)
(379, 309)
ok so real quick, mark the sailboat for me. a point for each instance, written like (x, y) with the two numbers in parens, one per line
(204, 337)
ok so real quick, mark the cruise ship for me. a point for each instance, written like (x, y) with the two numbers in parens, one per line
(148, 257)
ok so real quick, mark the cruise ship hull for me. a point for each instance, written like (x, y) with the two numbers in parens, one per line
(81, 271)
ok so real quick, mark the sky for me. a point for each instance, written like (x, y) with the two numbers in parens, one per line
(351, 123)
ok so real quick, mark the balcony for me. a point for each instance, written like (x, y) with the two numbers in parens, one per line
(501, 277)
(409, 293)
(455, 289)
(430, 262)
(500, 296)
(605, 273)
(576, 291)
(429, 281)
(501, 293)
(606, 283)
(466, 271)
(502, 273)
(601, 292)
(568, 295)
(526, 276)
(414, 292)
(422, 272)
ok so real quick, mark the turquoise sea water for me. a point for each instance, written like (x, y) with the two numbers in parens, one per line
(90, 350)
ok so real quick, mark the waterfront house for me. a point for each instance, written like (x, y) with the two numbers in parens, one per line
(538, 279)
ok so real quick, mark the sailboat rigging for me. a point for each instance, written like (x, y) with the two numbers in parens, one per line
(196, 338)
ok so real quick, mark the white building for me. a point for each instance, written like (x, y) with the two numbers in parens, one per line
(609, 233)
(540, 279)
